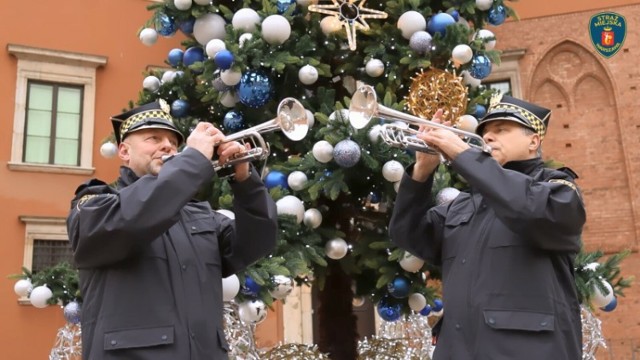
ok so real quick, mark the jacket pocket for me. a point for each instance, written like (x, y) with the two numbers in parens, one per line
(519, 320)
(138, 338)
(454, 231)
(204, 234)
(222, 340)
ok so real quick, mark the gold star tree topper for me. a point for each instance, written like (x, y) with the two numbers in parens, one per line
(351, 15)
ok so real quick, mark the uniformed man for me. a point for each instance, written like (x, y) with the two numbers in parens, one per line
(506, 248)
(151, 258)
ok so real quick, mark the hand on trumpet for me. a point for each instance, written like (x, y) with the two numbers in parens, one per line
(227, 151)
(445, 141)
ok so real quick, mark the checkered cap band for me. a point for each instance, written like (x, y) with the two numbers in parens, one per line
(534, 122)
(142, 117)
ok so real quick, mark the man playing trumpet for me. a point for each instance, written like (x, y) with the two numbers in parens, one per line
(506, 248)
(151, 258)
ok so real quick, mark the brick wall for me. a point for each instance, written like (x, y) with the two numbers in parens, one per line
(595, 130)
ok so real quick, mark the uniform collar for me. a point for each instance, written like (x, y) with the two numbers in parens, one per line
(127, 177)
(525, 166)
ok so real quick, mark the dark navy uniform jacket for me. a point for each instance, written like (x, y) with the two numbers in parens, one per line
(151, 260)
(506, 250)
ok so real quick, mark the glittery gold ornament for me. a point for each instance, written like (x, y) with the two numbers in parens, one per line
(294, 352)
(437, 89)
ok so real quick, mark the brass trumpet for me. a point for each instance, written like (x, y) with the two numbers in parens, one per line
(364, 106)
(291, 118)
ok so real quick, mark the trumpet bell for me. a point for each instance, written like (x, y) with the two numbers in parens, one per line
(292, 119)
(364, 105)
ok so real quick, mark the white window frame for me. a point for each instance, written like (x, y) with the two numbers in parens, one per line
(40, 228)
(58, 67)
(508, 70)
(297, 313)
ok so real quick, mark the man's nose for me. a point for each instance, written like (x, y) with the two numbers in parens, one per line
(167, 145)
(488, 137)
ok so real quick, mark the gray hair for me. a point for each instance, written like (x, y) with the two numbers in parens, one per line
(528, 131)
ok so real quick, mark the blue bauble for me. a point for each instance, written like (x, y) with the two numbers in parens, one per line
(72, 312)
(276, 178)
(437, 305)
(233, 121)
(325, 175)
(480, 67)
(439, 23)
(250, 287)
(283, 5)
(166, 25)
(455, 14)
(193, 55)
(374, 197)
(480, 112)
(346, 153)
(497, 15)
(389, 310)
(187, 25)
(611, 306)
(426, 311)
(223, 59)
(399, 288)
(175, 57)
(255, 89)
(179, 108)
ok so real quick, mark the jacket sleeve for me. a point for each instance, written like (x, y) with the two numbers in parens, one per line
(256, 223)
(107, 226)
(549, 212)
(416, 225)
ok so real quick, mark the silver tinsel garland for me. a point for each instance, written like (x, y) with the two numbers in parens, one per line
(240, 336)
(68, 344)
(406, 339)
(591, 334)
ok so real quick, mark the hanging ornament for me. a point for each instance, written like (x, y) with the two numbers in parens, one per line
(72, 312)
(480, 67)
(23, 287)
(186, 26)
(148, 36)
(252, 312)
(250, 287)
(497, 15)
(168, 76)
(336, 248)
(346, 153)
(392, 171)
(308, 74)
(179, 108)
(437, 305)
(276, 29)
(282, 286)
(255, 89)
(389, 309)
(223, 59)
(611, 305)
(420, 42)
(341, 115)
(213, 46)
(175, 57)
(480, 112)
(230, 287)
(461, 54)
(411, 22)
(446, 195)
(399, 288)
(601, 299)
(230, 77)
(467, 123)
(151, 83)
(244, 38)
(374, 67)
(352, 16)
(229, 99)
(439, 22)
(233, 121)
(40, 295)
(437, 89)
(488, 38)
(417, 302)
(410, 262)
(208, 27)
(469, 80)
(193, 55)
(323, 151)
(374, 133)
(165, 25)
(182, 4)
(484, 4)
(246, 20)
(312, 218)
(297, 180)
(276, 178)
(284, 5)
(108, 150)
(330, 24)
(291, 205)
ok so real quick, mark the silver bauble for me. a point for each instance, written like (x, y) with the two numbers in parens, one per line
(283, 286)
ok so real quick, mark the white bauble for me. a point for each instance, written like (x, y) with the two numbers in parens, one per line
(437, 313)
(467, 79)
(283, 286)
(411, 263)
(291, 205)
(447, 195)
(208, 27)
(336, 248)
(276, 29)
(151, 83)
(148, 36)
(461, 54)
(323, 151)
(252, 311)
(40, 295)
(342, 115)
(297, 180)
(168, 76)
(330, 24)
(182, 4)
(467, 123)
(228, 213)
(396, 186)
(392, 171)
(486, 34)
(230, 77)
(410, 22)
(202, 2)
(484, 4)
(230, 287)
(311, 119)
(245, 19)
(374, 133)
(374, 68)
(592, 266)
(244, 38)
(599, 299)
(213, 46)
(417, 302)
(108, 150)
(229, 99)
(312, 218)
(23, 287)
(308, 74)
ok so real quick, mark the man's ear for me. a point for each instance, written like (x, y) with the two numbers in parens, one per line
(535, 142)
(123, 151)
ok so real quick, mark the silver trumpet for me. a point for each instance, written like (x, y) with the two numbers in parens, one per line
(291, 118)
(364, 106)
